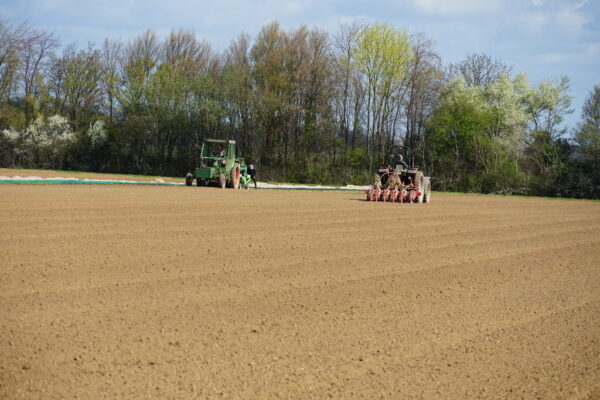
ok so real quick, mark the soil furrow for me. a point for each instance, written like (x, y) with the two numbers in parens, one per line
(174, 292)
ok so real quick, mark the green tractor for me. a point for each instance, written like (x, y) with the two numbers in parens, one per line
(219, 165)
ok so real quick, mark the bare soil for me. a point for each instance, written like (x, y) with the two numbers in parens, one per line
(173, 292)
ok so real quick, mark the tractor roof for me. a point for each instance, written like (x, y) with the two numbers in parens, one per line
(219, 141)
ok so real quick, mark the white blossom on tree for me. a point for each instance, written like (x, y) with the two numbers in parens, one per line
(97, 133)
(45, 140)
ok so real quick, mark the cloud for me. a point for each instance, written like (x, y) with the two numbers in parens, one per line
(570, 19)
(594, 48)
(581, 4)
(332, 23)
(6, 13)
(456, 7)
(553, 58)
(537, 3)
(294, 6)
(565, 18)
(534, 22)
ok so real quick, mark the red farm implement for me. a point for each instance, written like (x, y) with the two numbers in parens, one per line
(400, 185)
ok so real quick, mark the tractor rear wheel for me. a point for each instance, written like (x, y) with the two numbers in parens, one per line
(420, 185)
(427, 197)
(222, 181)
(188, 179)
(234, 179)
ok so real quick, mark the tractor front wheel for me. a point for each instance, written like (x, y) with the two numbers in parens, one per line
(234, 179)
(222, 181)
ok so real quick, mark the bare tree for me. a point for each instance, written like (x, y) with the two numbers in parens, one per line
(56, 79)
(139, 62)
(34, 60)
(270, 89)
(183, 51)
(588, 132)
(12, 42)
(346, 78)
(424, 83)
(110, 76)
(77, 90)
(479, 69)
(237, 81)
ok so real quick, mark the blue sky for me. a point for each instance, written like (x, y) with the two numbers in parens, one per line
(544, 38)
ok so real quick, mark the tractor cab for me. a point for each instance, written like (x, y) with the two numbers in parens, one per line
(215, 152)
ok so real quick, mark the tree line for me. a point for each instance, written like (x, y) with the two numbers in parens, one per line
(304, 105)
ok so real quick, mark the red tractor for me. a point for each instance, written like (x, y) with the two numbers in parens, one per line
(400, 185)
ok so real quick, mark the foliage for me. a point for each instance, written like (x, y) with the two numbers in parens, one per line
(487, 138)
(43, 142)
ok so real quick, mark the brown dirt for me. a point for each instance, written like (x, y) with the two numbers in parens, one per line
(176, 292)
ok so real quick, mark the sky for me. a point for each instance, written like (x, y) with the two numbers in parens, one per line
(543, 38)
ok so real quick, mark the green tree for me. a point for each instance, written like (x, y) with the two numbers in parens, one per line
(382, 55)
(547, 151)
(457, 126)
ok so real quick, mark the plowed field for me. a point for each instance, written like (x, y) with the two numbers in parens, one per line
(173, 292)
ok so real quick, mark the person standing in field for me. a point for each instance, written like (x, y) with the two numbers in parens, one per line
(252, 173)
